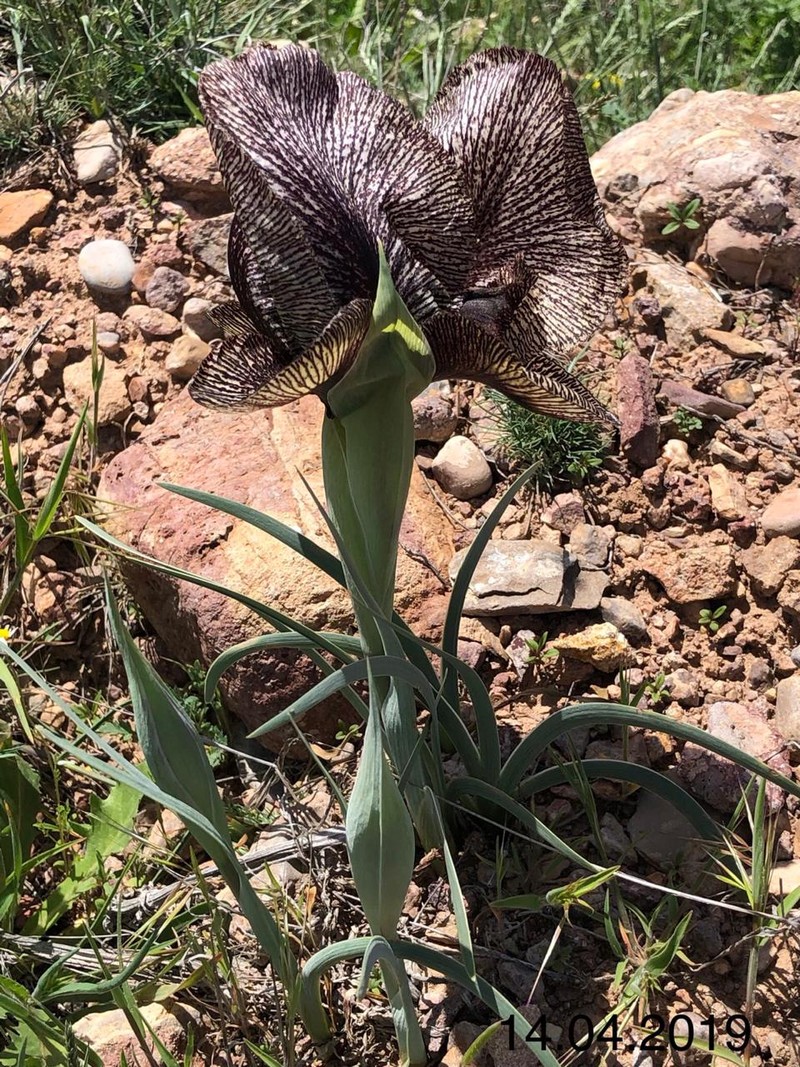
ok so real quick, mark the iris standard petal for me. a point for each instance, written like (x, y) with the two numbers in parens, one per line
(352, 166)
(244, 372)
(275, 274)
(510, 124)
(463, 348)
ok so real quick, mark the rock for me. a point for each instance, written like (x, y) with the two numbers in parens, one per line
(111, 1037)
(155, 256)
(602, 645)
(108, 343)
(729, 456)
(683, 688)
(22, 210)
(784, 877)
(683, 396)
(727, 495)
(688, 306)
(787, 708)
(639, 425)
(564, 512)
(738, 391)
(781, 518)
(188, 166)
(768, 565)
(616, 841)
(529, 578)
(692, 572)
(676, 453)
(591, 545)
(195, 318)
(789, 595)
(107, 266)
(114, 403)
(185, 356)
(625, 616)
(166, 289)
(461, 469)
(207, 240)
(736, 345)
(97, 152)
(152, 323)
(739, 153)
(718, 781)
(662, 835)
(749, 259)
(434, 417)
(254, 459)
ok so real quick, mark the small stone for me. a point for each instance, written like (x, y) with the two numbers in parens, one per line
(28, 410)
(689, 307)
(97, 153)
(108, 343)
(789, 595)
(787, 708)
(434, 417)
(683, 688)
(529, 578)
(785, 877)
(22, 210)
(207, 240)
(729, 456)
(461, 469)
(602, 645)
(661, 834)
(153, 323)
(564, 512)
(166, 289)
(684, 396)
(617, 843)
(107, 266)
(185, 357)
(630, 546)
(138, 389)
(738, 391)
(692, 572)
(782, 516)
(195, 318)
(114, 405)
(188, 165)
(160, 255)
(735, 345)
(768, 565)
(727, 495)
(676, 453)
(624, 614)
(591, 545)
(639, 425)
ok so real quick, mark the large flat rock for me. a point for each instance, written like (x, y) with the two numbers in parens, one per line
(257, 459)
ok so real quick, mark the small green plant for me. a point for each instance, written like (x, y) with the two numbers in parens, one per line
(686, 421)
(538, 652)
(710, 618)
(559, 449)
(682, 217)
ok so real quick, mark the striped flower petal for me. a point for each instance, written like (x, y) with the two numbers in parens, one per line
(510, 124)
(244, 372)
(463, 348)
(351, 166)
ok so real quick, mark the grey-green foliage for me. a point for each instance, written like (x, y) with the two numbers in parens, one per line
(140, 60)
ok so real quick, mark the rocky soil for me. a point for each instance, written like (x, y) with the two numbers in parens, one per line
(680, 558)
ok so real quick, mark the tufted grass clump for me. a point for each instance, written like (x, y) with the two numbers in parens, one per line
(560, 450)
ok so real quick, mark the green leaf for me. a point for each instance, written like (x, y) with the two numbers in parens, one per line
(456, 894)
(671, 227)
(52, 500)
(380, 836)
(691, 224)
(13, 492)
(371, 667)
(348, 647)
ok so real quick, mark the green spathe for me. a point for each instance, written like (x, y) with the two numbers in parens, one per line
(368, 441)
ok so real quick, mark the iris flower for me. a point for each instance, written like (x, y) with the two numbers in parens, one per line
(486, 211)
